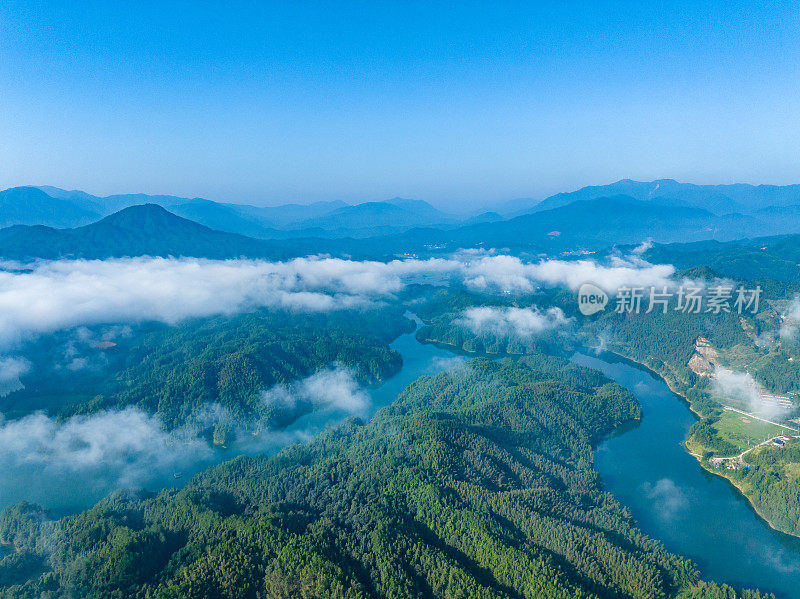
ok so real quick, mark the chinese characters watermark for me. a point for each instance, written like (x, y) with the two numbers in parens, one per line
(687, 299)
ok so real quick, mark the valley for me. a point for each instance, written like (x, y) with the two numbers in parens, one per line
(255, 361)
(399, 300)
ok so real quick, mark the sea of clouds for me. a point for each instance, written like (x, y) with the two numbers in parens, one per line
(63, 294)
(58, 295)
(84, 457)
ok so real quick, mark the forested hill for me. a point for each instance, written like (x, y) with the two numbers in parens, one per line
(227, 361)
(477, 482)
(773, 257)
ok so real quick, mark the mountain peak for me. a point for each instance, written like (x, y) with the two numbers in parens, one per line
(146, 217)
(30, 205)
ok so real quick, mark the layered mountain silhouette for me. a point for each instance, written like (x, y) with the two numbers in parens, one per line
(392, 215)
(590, 225)
(719, 199)
(32, 206)
(59, 208)
(139, 230)
(44, 226)
(596, 223)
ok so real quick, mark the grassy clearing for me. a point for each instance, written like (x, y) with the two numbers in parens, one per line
(745, 432)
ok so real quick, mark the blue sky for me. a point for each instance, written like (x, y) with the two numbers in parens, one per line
(459, 104)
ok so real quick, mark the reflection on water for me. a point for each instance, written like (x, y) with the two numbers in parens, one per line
(695, 514)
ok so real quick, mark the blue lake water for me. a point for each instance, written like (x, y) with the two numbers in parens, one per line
(418, 360)
(695, 514)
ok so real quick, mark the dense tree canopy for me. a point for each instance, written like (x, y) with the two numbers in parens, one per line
(174, 371)
(476, 482)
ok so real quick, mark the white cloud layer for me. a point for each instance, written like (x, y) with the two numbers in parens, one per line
(739, 386)
(63, 294)
(509, 273)
(82, 458)
(335, 388)
(731, 386)
(10, 371)
(790, 321)
(512, 322)
(73, 463)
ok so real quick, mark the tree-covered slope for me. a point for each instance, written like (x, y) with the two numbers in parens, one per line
(477, 482)
(774, 257)
(228, 361)
(671, 344)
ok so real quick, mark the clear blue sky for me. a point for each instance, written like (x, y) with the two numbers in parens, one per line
(456, 104)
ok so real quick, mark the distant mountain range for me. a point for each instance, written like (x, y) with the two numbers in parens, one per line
(54, 207)
(775, 257)
(139, 230)
(51, 223)
(719, 199)
(32, 206)
(597, 223)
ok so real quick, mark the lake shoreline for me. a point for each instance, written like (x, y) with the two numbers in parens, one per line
(681, 505)
(699, 459)
(621, 428)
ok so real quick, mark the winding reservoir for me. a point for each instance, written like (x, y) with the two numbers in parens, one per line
(419, 359)
(694, 513)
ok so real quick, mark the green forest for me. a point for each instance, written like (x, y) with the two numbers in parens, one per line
(174, 371)
(476, 482)
(665, 343)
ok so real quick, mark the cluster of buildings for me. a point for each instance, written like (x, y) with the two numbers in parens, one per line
(781, 441)
(736, 465)
(729, 464)
(780, 401)
(739, 464)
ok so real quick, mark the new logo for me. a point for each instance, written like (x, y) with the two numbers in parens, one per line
(591, 299)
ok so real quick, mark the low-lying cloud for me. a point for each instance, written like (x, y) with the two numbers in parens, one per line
(63, 294)
(790, 321)
(10, 370)
(334, 388)
(512, 322)
(741, 388)
(76, 461)
(73, 463)
(509, 273)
